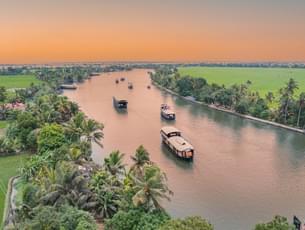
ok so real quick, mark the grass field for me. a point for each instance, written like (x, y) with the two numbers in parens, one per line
(8, 168)
(3, 124)
(17, 81)
(263, 79)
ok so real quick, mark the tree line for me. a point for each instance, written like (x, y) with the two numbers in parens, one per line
(286, 107)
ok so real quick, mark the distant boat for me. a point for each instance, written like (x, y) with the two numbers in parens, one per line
(67, 86)
(122, 78)
(148, 87)
(120, 104)
(167, 113)
(172, 138)
(94, 74)
(130, 85)
(117, 81)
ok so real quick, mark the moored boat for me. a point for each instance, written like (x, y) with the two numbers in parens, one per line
(148, 87)
(117, 81)
(130, 85)
(68, 86)
(120, 104)
(122, 78)
(167, 113)
(172, 138)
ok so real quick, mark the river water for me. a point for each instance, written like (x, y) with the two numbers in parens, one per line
(243, 172)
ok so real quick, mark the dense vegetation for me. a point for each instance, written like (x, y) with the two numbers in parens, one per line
(61, 187)
(288, 108)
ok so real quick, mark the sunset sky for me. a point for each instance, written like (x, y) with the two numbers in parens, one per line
(39, 31)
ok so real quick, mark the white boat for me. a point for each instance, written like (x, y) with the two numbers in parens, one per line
(167, 113)
(176, 143)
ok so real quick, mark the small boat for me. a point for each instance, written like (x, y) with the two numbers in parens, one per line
(122, 78)
(68, 86)
(130, 85)
(148, 87)
(120, 104)
(117, 81)
(167, 113)
(94, 74)
(172, 138)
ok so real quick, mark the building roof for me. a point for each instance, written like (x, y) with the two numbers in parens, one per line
(180, 143)
(169, 129)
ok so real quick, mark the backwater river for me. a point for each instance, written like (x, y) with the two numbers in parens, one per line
(243, 172)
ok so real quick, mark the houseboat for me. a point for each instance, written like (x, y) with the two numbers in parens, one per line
(68, 86)
(167, 113)
(122, 78)
(172, 138)
(130, 85)
(117, 81)
(120, 104)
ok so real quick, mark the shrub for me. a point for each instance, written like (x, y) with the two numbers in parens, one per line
(189, 223)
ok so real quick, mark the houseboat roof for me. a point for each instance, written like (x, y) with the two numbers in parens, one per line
(169, 129)
(168, 111)
(180, 143)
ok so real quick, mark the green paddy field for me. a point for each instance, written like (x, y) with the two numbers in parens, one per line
(9, 167)
(17, 81)
(263, 79)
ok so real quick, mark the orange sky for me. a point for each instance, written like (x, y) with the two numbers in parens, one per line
(39, 31)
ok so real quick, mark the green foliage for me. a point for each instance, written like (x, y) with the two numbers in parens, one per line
(51, 137)
(278, 223)
(150, 188)
(136, 219)
(68, 218)
(189, 223)
(72, 218)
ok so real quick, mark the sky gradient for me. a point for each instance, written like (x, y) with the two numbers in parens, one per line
(40, 31)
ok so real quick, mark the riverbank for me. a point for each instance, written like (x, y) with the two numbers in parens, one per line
(191, 99)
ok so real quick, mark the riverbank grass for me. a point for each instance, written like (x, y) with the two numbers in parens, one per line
(8, 168)
(17, 81)
(263, 80)
(3, 124)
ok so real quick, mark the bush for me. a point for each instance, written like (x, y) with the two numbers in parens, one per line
(278, 223)
(189, 223)
(72, 218)
(136, 219)
(51, 137)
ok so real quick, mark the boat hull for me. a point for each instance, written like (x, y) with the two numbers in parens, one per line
(168, 116)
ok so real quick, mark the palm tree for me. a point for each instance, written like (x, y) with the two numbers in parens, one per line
(66, 185)
(93, 131)
(301, 106)
(114, 163)
(150, 188)
(140, 159)
(270, 97)
(286, 97)
(88, 130)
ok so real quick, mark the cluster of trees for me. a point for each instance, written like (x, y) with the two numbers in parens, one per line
(287, 107)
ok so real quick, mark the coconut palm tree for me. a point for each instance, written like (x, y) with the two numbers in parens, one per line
(301, 106)
(66, 185)
(150, 188)
(140, 159)
(93, 131)
(114, 163)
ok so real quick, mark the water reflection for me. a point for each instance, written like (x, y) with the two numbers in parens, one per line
(243, 172)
